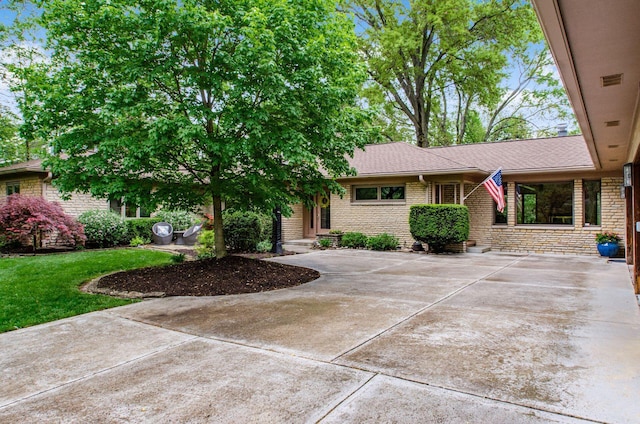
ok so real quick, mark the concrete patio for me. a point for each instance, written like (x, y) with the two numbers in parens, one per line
(380, 337)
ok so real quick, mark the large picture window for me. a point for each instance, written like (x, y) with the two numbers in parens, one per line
(128, 211)
(545, 203)
(381, 193)
(592, 202)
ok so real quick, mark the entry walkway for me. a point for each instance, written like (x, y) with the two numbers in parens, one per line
(380, 337)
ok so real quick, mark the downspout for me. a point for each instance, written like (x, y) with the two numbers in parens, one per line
(427, 186)
(46, 180)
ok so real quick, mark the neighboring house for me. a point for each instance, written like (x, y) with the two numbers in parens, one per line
(31, 179)
(556, 199)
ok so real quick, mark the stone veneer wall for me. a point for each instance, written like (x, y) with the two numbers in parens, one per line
(373, 219)
(481, 214)
(293, 226)
(576, 239)
(77, 204)
(29, 186)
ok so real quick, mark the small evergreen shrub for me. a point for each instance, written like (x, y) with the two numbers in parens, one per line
(28, 220)
(178, 258)
(264, 246)
(140, 227)
(353, 240)
(242, 230)
(104, 228)
(439, 225)
(179, 220)
(325, 243)
(382, 241)
(206, 247)
(139, 241)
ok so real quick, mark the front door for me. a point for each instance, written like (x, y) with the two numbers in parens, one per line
(317, 220)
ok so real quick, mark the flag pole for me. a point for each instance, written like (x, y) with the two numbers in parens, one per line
(483, 181)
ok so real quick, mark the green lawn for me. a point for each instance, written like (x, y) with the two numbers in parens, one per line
(37, 289)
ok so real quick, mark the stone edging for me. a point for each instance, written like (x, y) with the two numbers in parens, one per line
(92, 287)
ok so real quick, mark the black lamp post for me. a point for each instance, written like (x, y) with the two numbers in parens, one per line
(276, 232)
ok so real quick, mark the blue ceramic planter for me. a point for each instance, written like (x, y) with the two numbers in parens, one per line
(608, 249)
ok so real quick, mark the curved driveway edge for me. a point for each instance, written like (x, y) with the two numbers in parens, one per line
(380, 337)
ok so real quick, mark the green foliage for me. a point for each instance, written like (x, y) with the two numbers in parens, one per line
(141, 228)
(139, 241)
(199, 102)
(38, 289)
(264, 246)
(325, 243)
(607, 237)
(337, 232)
(178, 258)
(382, 241)
(179, 220)
(354, 240)
(439, 225)
(243, 230)
(444, 64)
(103, 228)
(206, 247)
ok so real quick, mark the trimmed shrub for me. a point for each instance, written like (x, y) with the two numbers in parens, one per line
(325, 243)
(139, 241)
(104, 228)
(353, 240)
(439, 225)
(242, 230)
(28, 220)
(140, 227)
(382, 241)
(179, 220)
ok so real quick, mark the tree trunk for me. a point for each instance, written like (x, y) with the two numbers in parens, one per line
(221, 248)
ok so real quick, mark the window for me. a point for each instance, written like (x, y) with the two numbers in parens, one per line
(500, 218)
(386, 193)
(546, 203)
(592, 202)
(128, 211)
(446, 193)
(13, 188)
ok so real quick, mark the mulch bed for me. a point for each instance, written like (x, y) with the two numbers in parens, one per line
(210, 277)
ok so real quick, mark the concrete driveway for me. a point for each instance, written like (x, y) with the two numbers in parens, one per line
(380, 337)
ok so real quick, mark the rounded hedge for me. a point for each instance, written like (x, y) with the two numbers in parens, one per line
(103, 228)
(439, 225)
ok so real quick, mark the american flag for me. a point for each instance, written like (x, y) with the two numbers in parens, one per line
(493, 184)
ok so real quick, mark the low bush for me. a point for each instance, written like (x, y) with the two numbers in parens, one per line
(104, 228)
(206, 247)
(179, 220)
(141, 227)
(353, 240)
(264, 246)
(325, 243)
(28, 220)
(139, 241)
(242, 230)
(382, 241)
(439, 225)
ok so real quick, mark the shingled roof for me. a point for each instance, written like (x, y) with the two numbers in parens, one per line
(34, 165)
(517, 156)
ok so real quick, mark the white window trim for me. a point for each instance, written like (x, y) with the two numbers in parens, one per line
(379, 200)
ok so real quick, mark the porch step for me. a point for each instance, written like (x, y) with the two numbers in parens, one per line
(478, 249)
(298, 246)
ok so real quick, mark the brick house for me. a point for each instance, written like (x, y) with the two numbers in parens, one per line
(31, 179)
(556, 199)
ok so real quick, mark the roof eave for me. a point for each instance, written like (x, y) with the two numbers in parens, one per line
(550, 18)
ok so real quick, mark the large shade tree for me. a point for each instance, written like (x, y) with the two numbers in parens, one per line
(437, 66)
(181, 102)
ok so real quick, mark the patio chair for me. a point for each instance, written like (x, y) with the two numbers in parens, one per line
(162, 233)
(190, 236)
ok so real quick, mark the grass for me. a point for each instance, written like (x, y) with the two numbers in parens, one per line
(38, 289)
